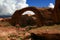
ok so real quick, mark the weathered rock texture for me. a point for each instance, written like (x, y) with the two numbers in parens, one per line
(47, 15)
(17, 15)
(56, 13)
(43, 16)
(26, 20)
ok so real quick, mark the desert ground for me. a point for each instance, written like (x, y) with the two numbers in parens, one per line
(9, 32)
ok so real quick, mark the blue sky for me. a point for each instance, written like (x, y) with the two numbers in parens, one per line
(8, 7)
(40, 3)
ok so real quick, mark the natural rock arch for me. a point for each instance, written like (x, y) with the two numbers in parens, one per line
(16, 16)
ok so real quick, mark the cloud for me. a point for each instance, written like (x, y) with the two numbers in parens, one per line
(8, 7)
(29, 12)
(51, 5)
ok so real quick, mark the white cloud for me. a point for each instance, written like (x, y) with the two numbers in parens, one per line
(51, 5)
(8, 7)
(29, 12)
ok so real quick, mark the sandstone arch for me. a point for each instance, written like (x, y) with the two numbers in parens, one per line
(16, 16)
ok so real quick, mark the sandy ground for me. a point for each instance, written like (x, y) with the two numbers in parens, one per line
(6, 30)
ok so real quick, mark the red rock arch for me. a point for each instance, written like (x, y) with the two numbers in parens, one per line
(16, 16)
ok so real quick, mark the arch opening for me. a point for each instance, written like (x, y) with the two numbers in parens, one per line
(28, 12)
(28, 18)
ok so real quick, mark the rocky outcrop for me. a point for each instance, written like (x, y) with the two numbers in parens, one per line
(43, 16)
(47, 16)
(56, 14)
(16, 17)
(26, 20)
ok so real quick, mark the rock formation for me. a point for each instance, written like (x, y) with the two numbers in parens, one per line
(17, 15)
(47, 16)
(56, 13)
(26, 20)
(43, 16)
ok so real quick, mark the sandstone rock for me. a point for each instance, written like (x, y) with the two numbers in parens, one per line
(16, 17)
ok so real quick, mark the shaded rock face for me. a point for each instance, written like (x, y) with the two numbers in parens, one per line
(26, 20)
(17, 15)
(45, 36)
(43, 17)
(56, 13)
(47, 16)
(36, 37)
